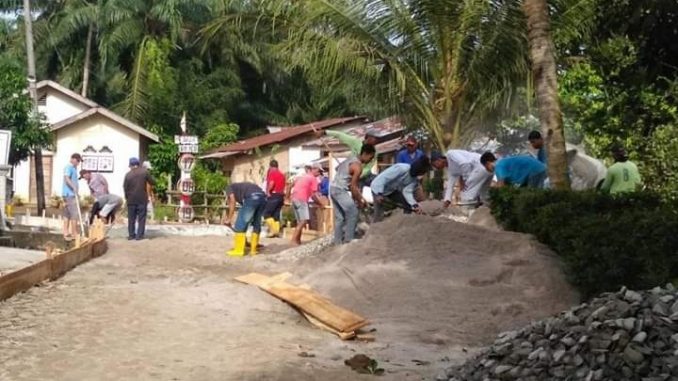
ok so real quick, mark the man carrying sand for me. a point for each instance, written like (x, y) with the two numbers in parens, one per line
(253, 202)
(396, 185)
(460, 164)
(305, 188)
(69, 192)
(346, 194)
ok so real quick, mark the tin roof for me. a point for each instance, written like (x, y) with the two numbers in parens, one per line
(283, 135)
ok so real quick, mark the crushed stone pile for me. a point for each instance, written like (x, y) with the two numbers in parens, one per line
(626, 335)
(438, 283)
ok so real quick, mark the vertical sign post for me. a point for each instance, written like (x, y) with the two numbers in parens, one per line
(188, 145)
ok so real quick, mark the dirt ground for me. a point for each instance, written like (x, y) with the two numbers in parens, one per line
(167, 308)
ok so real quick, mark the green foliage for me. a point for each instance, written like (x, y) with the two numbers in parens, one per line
(15, 114)
(164, 212)
(623, 87)
(219, 135)
(605, 241)
(214, 182)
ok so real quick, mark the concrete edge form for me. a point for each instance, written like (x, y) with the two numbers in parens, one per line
(49, 268)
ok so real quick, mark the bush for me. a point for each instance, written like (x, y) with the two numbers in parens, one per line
(605, 241)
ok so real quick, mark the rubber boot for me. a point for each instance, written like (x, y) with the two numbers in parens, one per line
(254, 244)
(238, 245)
(272, 231)
(277, 228)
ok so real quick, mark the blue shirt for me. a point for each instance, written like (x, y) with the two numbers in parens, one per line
(72, 173)
(324, 187)
(407, 158)
(396, 178)
(516, 169)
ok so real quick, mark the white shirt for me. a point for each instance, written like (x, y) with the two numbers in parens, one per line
(460, 163)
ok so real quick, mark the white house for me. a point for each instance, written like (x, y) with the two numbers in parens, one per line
(105, 140)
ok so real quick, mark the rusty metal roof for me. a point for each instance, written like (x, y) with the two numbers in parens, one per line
(386, 129)
(285, 134)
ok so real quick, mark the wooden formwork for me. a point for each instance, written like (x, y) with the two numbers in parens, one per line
(54, 265)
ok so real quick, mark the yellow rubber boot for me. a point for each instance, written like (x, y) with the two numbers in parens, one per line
(270, 223)
(238, 245)
(276, 225)
(254, 243)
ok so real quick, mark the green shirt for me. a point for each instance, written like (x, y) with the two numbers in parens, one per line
(354, 144)
(621, 177)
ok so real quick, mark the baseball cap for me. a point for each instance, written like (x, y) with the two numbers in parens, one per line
(83, 172)
(133, 161)
(435, 155)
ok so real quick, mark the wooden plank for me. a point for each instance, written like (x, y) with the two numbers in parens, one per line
(325, 327)
(307, 301)
(51, 268)
(263, 281)
(319, 307)
(22, 280)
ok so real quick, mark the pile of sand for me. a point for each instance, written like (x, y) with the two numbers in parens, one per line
(429, 280)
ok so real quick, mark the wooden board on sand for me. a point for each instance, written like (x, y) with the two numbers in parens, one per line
(308, 301)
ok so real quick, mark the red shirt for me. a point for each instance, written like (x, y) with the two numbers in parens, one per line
(276, 178)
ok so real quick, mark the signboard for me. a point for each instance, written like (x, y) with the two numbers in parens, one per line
(5, 140)
(187, 143)
(97, 163)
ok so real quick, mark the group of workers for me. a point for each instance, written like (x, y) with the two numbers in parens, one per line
(399, 186)
(137, 188)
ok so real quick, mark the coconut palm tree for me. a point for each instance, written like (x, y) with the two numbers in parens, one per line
(442, 64)
(546, 83)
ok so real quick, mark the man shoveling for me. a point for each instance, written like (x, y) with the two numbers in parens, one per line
(253, 202)
(397, 185)
(470, 169)
(106, 204)
(346, 195)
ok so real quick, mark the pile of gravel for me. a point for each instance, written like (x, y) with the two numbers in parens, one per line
(626, 335)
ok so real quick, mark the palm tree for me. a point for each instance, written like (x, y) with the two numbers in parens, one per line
(442, 64)
(546, 83)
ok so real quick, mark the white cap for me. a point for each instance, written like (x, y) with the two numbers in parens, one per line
(147, 165)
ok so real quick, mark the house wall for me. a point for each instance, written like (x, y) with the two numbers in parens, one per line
(97, 132)
(59, 107)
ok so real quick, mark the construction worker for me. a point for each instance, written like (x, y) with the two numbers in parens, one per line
(275, 191)
(410, 152)
(623, 175)
(477, 185)
(519, 171)
(537, 142)
(346, 194)
(397, 184)
(459, 164)
(305, 188)
(355, 145)
(252, 200)
(69, 192)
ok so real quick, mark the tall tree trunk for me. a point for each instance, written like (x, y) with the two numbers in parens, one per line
(37, 152)
(88, 55)
(546, 84)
